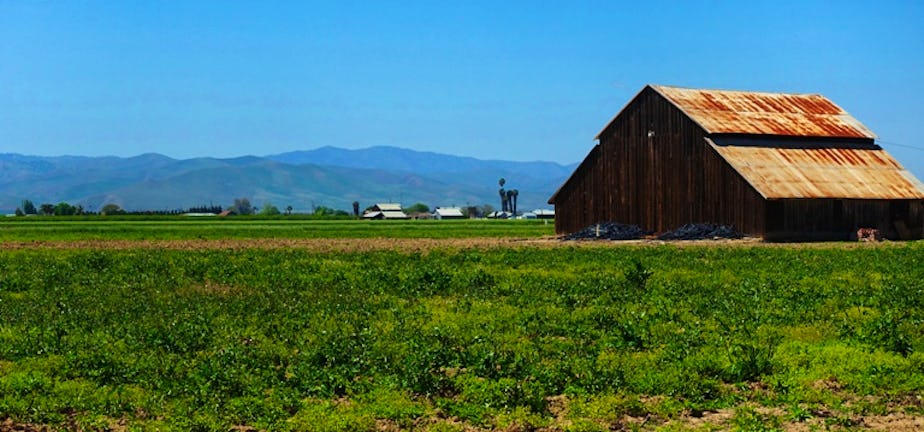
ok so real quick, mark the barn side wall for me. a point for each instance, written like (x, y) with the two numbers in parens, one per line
(839, 219)
(653, 168)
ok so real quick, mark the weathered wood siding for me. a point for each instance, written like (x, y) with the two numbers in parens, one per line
(653, 168)
(575, 198)
(839, 219)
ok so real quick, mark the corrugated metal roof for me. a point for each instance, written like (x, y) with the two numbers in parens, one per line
(814, 172)
(389, 214)
(449, 212)
(388, 206)
(739, 112)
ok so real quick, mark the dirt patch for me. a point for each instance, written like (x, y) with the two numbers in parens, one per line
(900, 422)
(9, 426)
(720, 419)
(411, 244)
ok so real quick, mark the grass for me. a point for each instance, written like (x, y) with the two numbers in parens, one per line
(455, 338)
(26, 229)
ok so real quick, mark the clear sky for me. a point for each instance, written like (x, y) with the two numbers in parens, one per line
(519, 80)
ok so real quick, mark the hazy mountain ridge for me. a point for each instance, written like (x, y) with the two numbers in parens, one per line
(401, 159)
(327, 176)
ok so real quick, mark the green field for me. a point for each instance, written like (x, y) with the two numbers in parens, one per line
(176, 228)
(652, 337)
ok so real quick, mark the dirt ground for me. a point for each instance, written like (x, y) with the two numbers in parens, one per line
(408, 244)
(719, 420)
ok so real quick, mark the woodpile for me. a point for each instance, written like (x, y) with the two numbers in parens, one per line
(608, 231)
(702, 231)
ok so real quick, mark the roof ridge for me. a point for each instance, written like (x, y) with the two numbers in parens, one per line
(657, 86)
(763, 113)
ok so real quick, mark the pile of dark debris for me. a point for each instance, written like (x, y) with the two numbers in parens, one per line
(619, 231)
(703, 231)
(608, 231)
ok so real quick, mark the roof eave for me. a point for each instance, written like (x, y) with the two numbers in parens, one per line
(573, 173)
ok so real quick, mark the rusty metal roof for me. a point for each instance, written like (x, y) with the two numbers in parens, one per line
(847, 172)
(739, 112)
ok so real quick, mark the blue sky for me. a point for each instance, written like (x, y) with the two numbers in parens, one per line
(533, 80)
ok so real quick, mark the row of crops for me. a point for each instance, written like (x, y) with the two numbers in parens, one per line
(172, 228)
(558, 338)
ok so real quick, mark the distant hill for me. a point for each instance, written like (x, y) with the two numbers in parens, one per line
(327, 176)
(399, 159)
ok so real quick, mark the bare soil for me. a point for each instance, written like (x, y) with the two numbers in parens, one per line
(408, 244)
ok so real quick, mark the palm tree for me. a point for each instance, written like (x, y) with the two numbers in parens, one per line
(503, 197)
(514, 193)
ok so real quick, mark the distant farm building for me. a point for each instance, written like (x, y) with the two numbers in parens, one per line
(544, 213)
(385, 211)
(448, 213)
(779, 166)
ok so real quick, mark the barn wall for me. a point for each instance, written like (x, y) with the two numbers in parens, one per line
(836, 219)
(729, 199)
(659, 180)
(574, 200)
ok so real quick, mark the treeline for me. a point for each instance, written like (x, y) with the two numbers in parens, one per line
(59, 209)
(66, 209)
(240, 206)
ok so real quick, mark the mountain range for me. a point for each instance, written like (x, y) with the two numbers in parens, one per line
(328, 176)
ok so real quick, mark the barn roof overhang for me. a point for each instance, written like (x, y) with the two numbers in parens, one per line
(807, 168)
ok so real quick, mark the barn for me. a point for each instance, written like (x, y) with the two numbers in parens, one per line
(777, 166)
(385, 211)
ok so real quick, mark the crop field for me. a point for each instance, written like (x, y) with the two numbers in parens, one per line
(27, 229)
(468, 332)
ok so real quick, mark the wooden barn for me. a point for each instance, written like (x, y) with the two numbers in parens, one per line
(778, 166)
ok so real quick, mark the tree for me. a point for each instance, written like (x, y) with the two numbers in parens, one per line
(514, 193)
(64, 209)
(28, 208)
(473, 212)
(241, 206)
(503, 193)
(269, 210)
(288, 210)
(355, 208)
(47, 209)
(19, 212)
(503, 197)
(417, 208)
(111, 209)
(327, 211)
